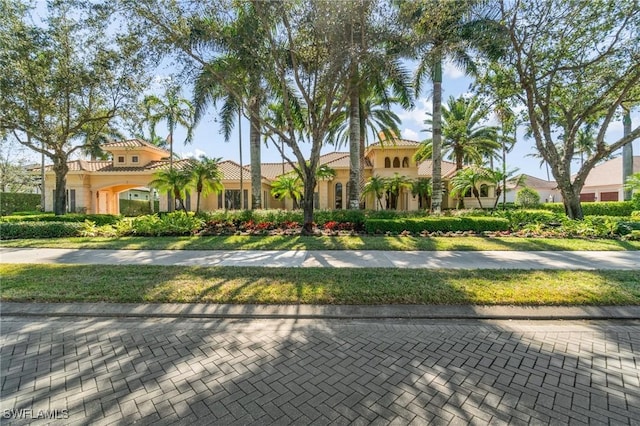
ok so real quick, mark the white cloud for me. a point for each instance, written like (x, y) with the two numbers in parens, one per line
(197, 153)
(451, 70)
(416, 116)
(410, 134)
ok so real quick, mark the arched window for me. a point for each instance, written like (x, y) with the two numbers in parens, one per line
(405, 163)
(396, 163)
(387, 163)
(338, 195)
(484, 190)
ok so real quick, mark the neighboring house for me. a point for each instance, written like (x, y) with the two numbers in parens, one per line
(548, 190)
(605, 183)
(96, 186)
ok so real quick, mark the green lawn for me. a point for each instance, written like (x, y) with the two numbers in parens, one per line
(181, 284)
(239, 242)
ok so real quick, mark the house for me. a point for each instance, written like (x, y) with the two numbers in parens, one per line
(548, 190)
(604, 183)
(95, 186)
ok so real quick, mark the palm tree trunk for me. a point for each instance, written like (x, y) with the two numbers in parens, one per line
(240, 149)
(436, 172)
(198, 202)
(627, 154)
(171, 204)
(354, 143)
(254, 154)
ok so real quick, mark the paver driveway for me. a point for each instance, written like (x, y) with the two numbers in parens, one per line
(117, 371)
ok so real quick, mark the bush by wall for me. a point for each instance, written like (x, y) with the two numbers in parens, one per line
(527, 198)
(14, 230)
(12, 202)
(174, 223)
(137, 207)
(435, 224)
(613, 208)
(99, 219)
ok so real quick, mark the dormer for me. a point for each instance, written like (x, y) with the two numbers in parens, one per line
(134, 153)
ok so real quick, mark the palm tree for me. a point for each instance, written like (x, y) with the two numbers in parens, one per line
(421, 188)
(172, 109)
(507, 119)
(468, 180)
(206, 177)
(376, 185)
(465, 139)
(394, 185)
(288, 186)
(96, 137)
(242, 87)
(446, 29)
(499, 179)
(585, 142)
(632, 183)
(174, 181)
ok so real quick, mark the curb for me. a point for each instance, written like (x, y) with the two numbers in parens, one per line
(211, 311)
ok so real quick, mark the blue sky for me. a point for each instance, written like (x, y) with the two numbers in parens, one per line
(208, 140)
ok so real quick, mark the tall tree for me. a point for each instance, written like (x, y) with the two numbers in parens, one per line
(174, 111)
(242, 51)
(376, 185)
(574, 63)
(65, 79)
(288, 186)
(627, 152)
(394, 186)
(306, 66)
(465, 138)
(448, 30)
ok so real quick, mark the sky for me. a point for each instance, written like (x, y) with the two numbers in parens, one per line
(208, 141)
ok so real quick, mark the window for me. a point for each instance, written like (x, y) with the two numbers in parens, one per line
(121, 159)
(232, 199)
(405, 163)
(387, 163)
(134, 159)
(338, 196)
(484, 190)
(396, 163)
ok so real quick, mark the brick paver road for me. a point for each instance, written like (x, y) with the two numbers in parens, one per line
(117, 371)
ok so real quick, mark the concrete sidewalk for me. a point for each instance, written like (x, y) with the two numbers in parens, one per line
(574, 260)
(224, 311)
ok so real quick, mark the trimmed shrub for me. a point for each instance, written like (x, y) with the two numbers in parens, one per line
(608, 208)
(518, 219)
(13, 202)
(98, 219)
(527, 198)
(355, 217)
(174, 223)
(435, 224)
(137, 207)
(15, 230)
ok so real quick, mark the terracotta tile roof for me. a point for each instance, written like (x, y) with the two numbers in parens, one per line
(273, 170)
(395, 142)
(336, 160)
(425, 167)
(609, 173)
(132, 143)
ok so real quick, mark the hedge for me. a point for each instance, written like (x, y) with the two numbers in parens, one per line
(137, 207)
(98, 219)
(608, 208)
(12, 202)
(14, 230)
(435, 224)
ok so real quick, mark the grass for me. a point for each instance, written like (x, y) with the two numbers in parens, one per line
(240, 242)
(182, 284)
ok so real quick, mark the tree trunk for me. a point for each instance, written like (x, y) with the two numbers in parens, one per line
(171, 203)
(198, 202)
(436, 171)
(627, 155)
(354, 146)
(571, 199)
(254, 153)
(60, 168)
(307, 203)
(363, 148)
